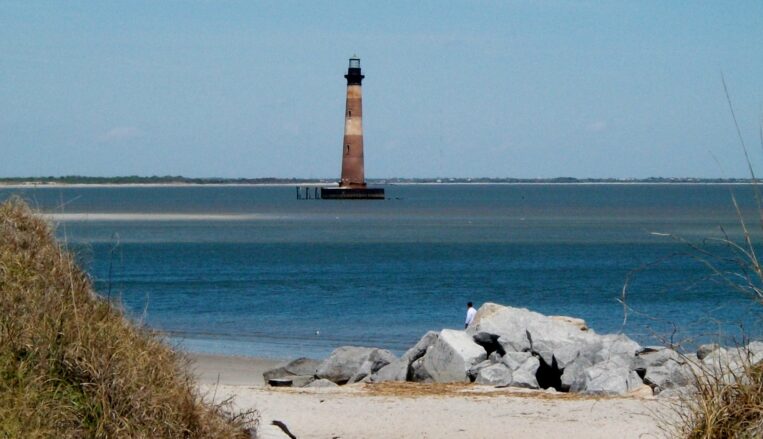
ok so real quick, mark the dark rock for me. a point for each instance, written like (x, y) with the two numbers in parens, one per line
(549, 375)
(489, 342)
(280, 382)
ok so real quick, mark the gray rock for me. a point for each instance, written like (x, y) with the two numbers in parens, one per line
(322, 383)
(705, 349)
(677, 392)
(276, 373)
(657, 357)
(301, 380)
(376, 359)
(515, 342)
(580, 324)
(669, 375)
(755, 351)
(303, 366)
(525, 375)
(574, 375)
(495, 357)
(612, 378)
(418, 373)
(724, 364)
(617, 347)
(345, 363)
(521, 330)
(515, 359)
(565, 355)
(494, 375)
(454, 353)
(719, 356)
(420, 348)
(475, 370)
(300, 366)
(395, 371)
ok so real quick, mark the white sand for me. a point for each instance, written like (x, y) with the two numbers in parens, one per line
(370, 411)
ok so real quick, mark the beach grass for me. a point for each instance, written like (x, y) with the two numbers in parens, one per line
(72, 365)
(726, 398)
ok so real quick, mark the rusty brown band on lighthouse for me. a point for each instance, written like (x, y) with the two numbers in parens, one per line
(352, 147)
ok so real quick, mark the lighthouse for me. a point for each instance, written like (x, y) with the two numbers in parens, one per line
(352, 184)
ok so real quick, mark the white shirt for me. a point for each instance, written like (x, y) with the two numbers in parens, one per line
(470, 313)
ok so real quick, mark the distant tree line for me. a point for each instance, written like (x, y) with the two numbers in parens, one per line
(178, 179)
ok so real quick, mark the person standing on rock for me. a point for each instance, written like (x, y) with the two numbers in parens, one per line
(470, 313)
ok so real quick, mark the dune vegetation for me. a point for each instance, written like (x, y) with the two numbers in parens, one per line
(72, 365)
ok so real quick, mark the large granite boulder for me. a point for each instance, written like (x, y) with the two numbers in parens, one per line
(353, 363)
(298, 367)
(519, 329)
(494, 375)
(611, 377)
(452, 355)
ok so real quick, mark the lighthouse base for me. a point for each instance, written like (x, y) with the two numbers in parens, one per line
(352, 193)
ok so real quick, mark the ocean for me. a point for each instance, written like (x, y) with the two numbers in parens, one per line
(253, 271)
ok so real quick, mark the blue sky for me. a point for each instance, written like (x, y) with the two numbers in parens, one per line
(461, 89)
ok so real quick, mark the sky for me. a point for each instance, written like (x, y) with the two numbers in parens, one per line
(526, 89)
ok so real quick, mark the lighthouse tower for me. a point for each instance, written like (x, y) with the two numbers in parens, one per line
(353, 183)
(352, 153)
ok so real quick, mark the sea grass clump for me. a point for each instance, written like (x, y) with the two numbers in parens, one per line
(72, 365)
(725, 402)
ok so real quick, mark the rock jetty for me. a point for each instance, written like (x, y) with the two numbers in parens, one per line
(516, 347)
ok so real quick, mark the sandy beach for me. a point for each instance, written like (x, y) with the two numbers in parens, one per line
(408, 410)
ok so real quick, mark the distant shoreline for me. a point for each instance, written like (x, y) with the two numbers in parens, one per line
(148, 182)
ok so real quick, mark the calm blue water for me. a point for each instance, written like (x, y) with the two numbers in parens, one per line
(253, 271)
